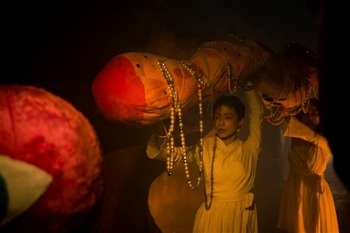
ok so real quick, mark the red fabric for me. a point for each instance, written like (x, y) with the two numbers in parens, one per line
(42, 129)
(117, 90)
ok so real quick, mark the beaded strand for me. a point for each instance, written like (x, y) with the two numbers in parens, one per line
(176, 109)
(169, 136)
(207, 206)
(228, 68)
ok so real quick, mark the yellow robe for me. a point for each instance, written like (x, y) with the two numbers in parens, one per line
(233, 208)
(307, 203)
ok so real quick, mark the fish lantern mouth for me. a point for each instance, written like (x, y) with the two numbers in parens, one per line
(119, 92)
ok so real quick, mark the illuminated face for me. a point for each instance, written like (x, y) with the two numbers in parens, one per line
(226, 123)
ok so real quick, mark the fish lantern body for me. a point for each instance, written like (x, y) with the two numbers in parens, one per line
(142, 88)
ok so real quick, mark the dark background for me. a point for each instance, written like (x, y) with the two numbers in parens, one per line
(61, 46)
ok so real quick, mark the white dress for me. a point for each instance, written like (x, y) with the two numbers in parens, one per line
(307, 203)
(232, 208)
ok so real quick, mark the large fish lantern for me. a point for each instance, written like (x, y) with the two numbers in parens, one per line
(142, 89)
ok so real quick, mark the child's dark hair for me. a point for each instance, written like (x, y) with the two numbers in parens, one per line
(232, 102)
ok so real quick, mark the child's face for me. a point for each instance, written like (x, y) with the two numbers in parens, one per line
(225, 121)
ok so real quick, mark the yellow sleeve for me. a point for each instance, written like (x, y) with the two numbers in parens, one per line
(293, 128)
(159, 152)
(254, 102)
(256, 116)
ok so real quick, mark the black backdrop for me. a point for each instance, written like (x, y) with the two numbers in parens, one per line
(61, 46)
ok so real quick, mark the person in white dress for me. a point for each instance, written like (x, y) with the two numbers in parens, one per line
(228, 162)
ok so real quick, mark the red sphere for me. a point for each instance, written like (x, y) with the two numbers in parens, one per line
(46, 131)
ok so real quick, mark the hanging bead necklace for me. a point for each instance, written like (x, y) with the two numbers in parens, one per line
(176, 108)
(208, 205)
(200, 85)
(230, 78)
(169, 136)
